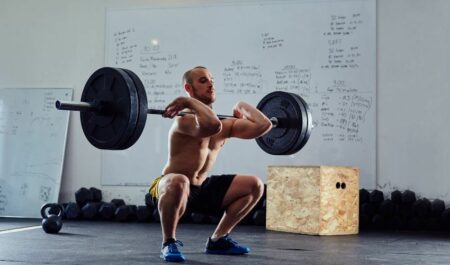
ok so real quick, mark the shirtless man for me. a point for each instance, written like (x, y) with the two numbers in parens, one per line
(194, 143)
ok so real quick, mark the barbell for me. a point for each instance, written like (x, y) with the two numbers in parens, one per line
(114, 108)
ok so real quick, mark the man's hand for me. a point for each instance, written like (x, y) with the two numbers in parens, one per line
(237, 113)
(202, 123)
(251, 122)
(176, 106)
(243, 110)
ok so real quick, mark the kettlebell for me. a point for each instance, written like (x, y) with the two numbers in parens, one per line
(51, 223)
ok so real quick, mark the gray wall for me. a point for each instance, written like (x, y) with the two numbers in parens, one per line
(413, 94)
(54, 43)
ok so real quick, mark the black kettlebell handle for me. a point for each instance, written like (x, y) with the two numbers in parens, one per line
(49, 205)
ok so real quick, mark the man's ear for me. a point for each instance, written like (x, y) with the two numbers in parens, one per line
(188, 88)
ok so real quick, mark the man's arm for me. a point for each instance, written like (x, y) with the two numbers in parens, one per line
(203, 123)
(251, 122)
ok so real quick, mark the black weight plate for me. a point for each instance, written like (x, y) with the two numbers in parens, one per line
(310, 122)
(301, 126)
(284, 106)
(142, 108)
(134, 111)
(306, 125)
(115, 92)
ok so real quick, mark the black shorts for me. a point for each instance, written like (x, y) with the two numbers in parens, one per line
(208, 197)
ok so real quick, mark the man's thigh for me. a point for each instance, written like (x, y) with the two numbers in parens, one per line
(241, 186)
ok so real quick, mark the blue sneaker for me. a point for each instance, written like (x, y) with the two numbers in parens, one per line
(225, 246)
(170, 251)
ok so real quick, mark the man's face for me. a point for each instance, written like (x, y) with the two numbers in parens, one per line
(202, 87)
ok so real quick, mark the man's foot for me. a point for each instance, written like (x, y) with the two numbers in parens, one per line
(170, 251)
(225, 246)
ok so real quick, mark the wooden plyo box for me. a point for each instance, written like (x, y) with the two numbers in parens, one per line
(314, 200)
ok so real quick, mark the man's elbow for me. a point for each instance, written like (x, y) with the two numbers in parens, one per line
(216, 127)
(212, 128)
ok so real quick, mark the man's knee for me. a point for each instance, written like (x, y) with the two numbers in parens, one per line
(255, 185)
(258, 186)
(175, 183)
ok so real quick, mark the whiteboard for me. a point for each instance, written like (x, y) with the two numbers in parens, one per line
(32, 143)
(322, 50)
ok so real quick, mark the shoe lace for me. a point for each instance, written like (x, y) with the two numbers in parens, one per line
(227, 238)
(173, 246)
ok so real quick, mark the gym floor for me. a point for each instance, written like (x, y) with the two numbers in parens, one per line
(22, 241)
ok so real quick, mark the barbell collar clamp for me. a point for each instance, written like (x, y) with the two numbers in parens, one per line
(274, 121)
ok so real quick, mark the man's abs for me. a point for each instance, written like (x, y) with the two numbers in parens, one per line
(194, 165)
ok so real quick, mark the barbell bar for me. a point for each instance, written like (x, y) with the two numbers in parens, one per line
(88, 106)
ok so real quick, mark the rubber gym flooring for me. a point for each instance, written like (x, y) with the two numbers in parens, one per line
(22, 241)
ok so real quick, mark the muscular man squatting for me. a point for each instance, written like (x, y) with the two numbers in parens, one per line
(194, 143)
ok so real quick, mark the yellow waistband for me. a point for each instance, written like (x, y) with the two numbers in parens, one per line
(154, 187)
